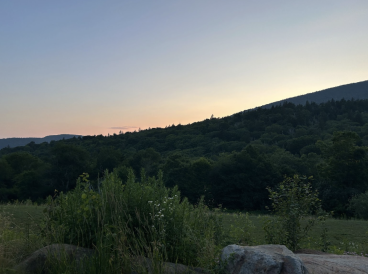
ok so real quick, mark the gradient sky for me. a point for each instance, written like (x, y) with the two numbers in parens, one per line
(97, 67)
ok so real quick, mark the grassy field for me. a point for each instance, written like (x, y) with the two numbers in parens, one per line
(343, 235)
(23, 214)
(19, 234)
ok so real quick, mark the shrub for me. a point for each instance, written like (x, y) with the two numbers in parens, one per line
(292, 201)
(136, 218)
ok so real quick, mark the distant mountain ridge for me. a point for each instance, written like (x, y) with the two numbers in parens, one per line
(15, 142)
(355, 91)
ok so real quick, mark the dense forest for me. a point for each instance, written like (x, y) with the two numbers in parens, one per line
(230, 160)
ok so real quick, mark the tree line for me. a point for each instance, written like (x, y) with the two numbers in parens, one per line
(229, 161)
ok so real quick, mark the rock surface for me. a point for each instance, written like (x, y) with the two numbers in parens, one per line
(331, 264)
(37, 262)
(263, 259)
(144, 265)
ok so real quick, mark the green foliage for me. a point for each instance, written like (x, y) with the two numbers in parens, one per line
(107, 158)
(18, 238)
(6, 173)
(239, 179)
(344, 171)
(213, 157)
(21, 177)
(292, 201)
(68, 162)
(241, 229)
(137, 218)
(191, 177)
(345, 161)
(148, 159)
(359, 205)
(22, 161)
(324, 242)
(28, 185)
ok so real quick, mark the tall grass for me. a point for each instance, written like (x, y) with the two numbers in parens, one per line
(127, 221)
(17, 240)
(139, 224)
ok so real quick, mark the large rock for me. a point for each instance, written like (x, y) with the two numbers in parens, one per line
(263, 259)
(38, 261)
(331, 264)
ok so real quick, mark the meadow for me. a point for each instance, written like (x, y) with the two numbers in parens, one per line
(344, 235)
(20, 233)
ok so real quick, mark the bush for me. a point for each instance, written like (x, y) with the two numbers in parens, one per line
(359, 205)
(134, 219)
(292, 201)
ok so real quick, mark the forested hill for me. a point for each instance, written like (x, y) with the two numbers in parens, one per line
(230, 160)
(15, 142)
(350, 91)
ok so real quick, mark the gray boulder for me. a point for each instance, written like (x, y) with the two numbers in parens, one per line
(263, 259)
(331, 264)
(37, 262)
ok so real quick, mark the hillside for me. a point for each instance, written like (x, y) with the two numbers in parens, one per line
(229, 160)
(350, 91)
(15, 142)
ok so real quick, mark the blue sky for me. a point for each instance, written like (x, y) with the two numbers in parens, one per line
(97, 67)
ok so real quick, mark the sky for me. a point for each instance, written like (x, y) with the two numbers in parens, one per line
(93, 67)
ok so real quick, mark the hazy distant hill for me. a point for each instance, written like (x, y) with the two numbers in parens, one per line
(15, 142)
(355, 90)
